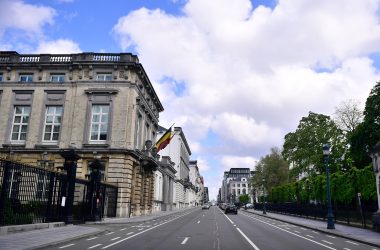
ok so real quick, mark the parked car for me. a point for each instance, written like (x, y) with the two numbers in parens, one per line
(205, 206)
(230, 208)
(249, 205)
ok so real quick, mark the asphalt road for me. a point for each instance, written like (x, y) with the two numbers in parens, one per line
(211, 229)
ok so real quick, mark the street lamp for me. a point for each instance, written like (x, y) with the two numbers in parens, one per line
(330, 216)
(264, 208)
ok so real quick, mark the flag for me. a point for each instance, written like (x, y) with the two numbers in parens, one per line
(164, 140)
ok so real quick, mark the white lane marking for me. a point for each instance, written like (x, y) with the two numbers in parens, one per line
(110, 233)
(115, 238)
(291, 233)
(129, 233)
(69, 245)
(328, 242)
(315, 232)
(333, 237)
(356, 244)
(309, 236)
(249, 241)
(94, 246)
(198, 221)
(303, 228)
(92, 238)
(140, 229)
(117, 242)
(123, 229)
(297, 231)
(346, 248)
(245, 237)
(185, 240)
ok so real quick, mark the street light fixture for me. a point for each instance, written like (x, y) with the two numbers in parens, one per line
(264, 207)
(330, 216)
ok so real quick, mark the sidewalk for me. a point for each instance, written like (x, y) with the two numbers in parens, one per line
(358, 234)
(45, 237)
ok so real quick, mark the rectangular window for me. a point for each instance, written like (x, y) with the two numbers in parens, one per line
(26, 78)
(57, 77)
(52, 126)
(1, 77)
(99, 123)
(138, 131)
(20, 123)
(104, 77)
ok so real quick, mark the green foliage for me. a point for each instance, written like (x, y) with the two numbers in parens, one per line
(244, 198)
(303, 148)
(344, 187)
(367, 134)
(273, 169)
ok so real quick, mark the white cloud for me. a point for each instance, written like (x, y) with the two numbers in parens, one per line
(60, 46)
(27, 18)
(203, 165)
(249, 75)
(230, 161)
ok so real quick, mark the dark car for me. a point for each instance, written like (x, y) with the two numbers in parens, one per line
(230, 208)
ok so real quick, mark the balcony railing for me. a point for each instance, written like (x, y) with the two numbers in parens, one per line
(14, 57)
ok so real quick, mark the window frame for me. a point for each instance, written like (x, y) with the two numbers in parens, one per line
(53, 124)
(99, 123)
(20, 124)
(59, 75)
(104, 76)
(29, 77)
(98, 97)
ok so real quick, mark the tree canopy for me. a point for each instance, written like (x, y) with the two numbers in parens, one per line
(273, 168)
(367, 133)
(303, 148)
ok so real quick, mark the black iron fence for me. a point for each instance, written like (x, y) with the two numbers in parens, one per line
(33, 195)
(345, 214)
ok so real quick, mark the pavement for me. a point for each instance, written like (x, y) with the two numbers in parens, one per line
(36, 239)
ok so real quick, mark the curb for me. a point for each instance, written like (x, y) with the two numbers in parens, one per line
(320, 230)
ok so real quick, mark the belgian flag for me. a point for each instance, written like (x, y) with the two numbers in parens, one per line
(164, 140)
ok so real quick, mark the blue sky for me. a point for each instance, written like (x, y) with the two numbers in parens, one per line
(235, 75)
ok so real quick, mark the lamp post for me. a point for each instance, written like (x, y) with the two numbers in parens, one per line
(330, 216)
(264, 208)
(375, 154)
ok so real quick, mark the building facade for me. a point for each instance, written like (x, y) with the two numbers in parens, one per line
(179, 152)
(197, 181)
(236, 182)
(99, 104)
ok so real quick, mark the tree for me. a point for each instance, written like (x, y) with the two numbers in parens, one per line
(273, 168)
(244, 198)
(348, 115)
(367, 133)
(303, 148)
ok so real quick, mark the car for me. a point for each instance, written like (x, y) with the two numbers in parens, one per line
(205, 206)
(230, 208)
(249, 205)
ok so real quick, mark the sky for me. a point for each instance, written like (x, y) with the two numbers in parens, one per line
(237, 76)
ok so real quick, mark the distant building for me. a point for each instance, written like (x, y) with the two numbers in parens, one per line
(179, 152)
(236, 182)
(205, 195)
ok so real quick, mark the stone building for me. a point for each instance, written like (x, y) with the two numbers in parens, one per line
(236, 182)
(179, 152)
(99, 104)
(164, 184)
